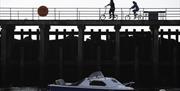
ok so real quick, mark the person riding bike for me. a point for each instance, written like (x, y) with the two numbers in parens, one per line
(135, 8)
(112, 9)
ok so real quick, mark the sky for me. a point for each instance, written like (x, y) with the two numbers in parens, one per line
(90, 3)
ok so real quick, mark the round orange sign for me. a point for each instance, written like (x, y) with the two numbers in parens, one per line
(42, 11)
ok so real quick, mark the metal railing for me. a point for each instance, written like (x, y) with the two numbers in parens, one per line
(85, 14)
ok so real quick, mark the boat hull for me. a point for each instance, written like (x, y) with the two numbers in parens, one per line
(80, 89)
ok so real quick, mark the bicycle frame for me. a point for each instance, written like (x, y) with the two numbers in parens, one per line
(103, 16)
(138, 16)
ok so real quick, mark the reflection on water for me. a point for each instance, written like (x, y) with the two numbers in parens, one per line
(45, 89)
(23, 89)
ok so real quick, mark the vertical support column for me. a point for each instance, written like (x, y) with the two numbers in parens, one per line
(44, 38)
(177, 36)
(136, 66)
(61, 62)
(22, 65)
(37, 35)
(57, 34)
(99, 51)
(30, 33)
(7, 37)
(126, 32)
(161, 33)
(117, 48)
(155, 51)
(64, 33)
(99, 57)
(175, 66)
(107, 35)
(22, 30)
(80, 48)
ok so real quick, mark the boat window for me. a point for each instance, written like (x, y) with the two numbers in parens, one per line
(97, 83)
(114, 80)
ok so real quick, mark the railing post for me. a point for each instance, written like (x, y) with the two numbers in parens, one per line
(166, 14)
(99, 13)
(142, 13)
(32, 13)
(121, 14)
(55, 13)
(10, 13)
(59, 15)
(77, 13)
(18, 15)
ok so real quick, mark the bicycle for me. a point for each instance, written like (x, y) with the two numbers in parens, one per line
(104, 15)
(138, 16)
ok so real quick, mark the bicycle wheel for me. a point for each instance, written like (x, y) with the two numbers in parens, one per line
(140, 17)
(127, 17)
(103, 17)
(115, 17)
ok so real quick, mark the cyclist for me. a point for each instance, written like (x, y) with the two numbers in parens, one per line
(112, 9)
(135, 8)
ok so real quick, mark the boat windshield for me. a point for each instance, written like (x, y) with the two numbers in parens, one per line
(97, 74)
(116, 81)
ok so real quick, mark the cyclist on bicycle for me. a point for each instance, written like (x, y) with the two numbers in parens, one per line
(135, 8)
(112, 9)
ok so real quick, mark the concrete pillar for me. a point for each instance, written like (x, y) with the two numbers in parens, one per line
(22, 30)
(61, 62)
(98, 57)
(44, 38)
(117, 48)
(136, 66)
(56, 34)
(155, 52)
(175, 80)
(80, 48)
(37, 35)
(107, 35)
(7, 36)
(22, 65)
(30, 33)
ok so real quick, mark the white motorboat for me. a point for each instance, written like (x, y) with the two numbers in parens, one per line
(95, 82)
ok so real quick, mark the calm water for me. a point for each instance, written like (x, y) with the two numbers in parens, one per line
(23, 89)
(44, 89)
